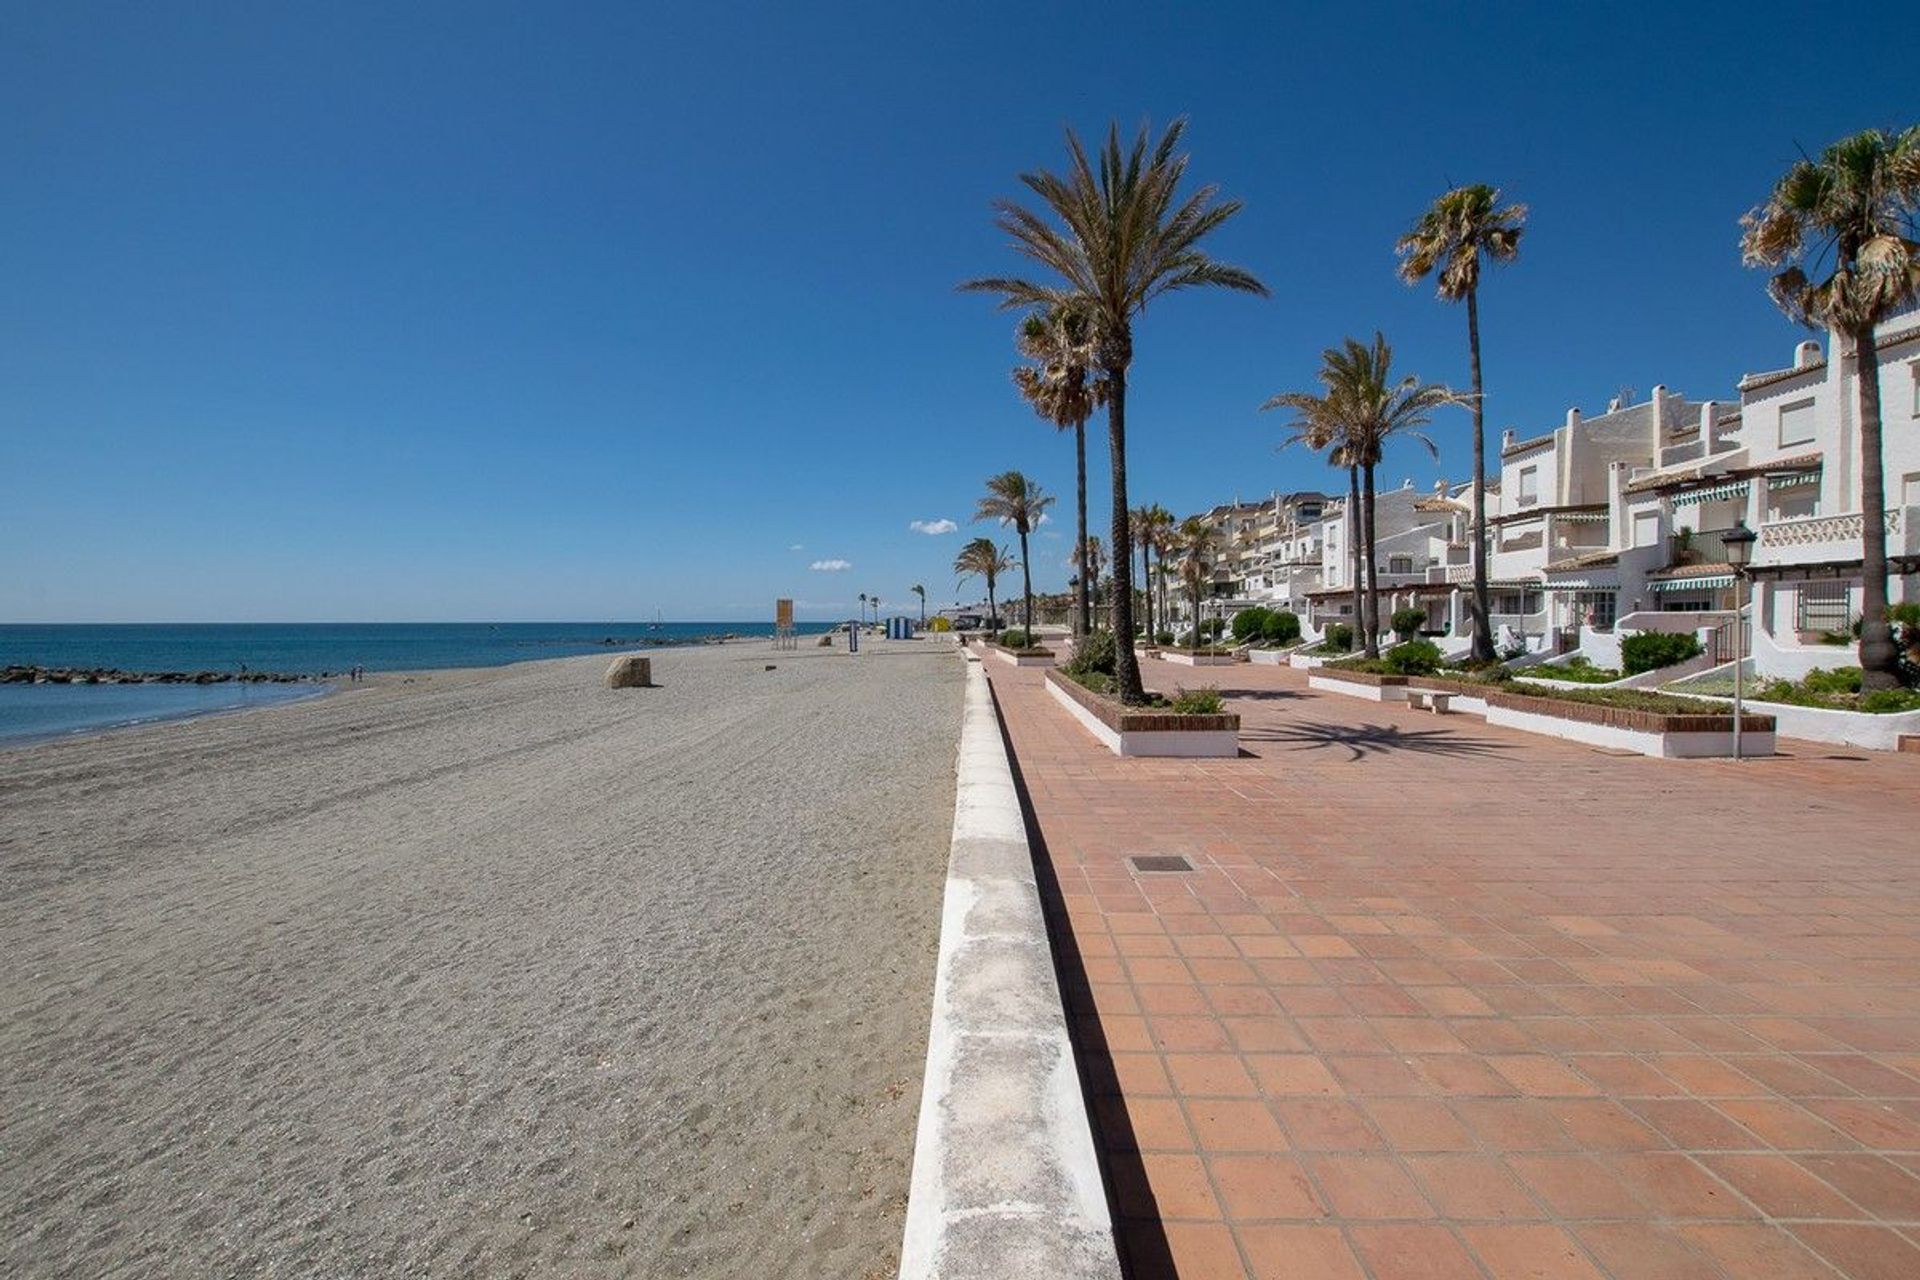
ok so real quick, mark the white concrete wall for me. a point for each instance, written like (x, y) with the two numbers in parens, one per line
(1005, 1179)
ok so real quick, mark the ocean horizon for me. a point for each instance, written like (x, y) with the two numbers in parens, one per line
(317, 651)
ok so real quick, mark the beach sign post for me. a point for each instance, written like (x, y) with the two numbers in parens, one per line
(783, 637)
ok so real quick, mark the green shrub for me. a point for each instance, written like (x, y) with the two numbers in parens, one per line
(1414, 658)
(1578, 669)
(1338, 638)
(1015, 638)
(1625, 699)
(1212, 628)
(1197, 702)
(1838, 690)
(1249, 623)
(1097, 653)
(1407, 622)
(1651, 650)
(1163, 637)
(1280, 628)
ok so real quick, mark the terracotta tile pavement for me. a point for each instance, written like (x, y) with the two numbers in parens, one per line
(1444, 1000)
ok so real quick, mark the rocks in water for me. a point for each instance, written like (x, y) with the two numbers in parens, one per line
(19, 674)
(630, 672)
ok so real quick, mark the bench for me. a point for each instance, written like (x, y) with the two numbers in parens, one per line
(1434, 699)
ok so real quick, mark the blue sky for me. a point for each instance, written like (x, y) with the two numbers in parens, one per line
(487, 311)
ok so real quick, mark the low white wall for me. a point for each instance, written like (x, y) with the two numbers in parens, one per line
(1005, 1180)
(1307, 661)
(1840, 728)
(1197, 659)
(1019, 659)
(1353, 689)
(1181, 744)
(1670, 746)
(1779, 661)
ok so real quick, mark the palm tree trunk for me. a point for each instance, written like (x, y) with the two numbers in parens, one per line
(1126, 670)
(1354, 546)
(1026, 588)
(993, 611)
(1482, 619)
(1146, 578)
(1373, 572)
(1082, 616)
(1879, 660)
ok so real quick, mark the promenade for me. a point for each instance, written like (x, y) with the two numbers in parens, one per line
(1442, 1000)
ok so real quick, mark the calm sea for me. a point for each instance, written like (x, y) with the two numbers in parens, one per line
(35, 712)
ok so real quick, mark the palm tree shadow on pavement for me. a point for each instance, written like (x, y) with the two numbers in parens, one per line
(1364, 740)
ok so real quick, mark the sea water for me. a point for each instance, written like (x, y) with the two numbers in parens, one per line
(32, 712)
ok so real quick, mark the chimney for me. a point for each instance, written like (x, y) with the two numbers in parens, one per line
(1613, 405)
(1806, 355)
(1710, 424)
(1659, 400)
(1573, 417)
(1506, 440)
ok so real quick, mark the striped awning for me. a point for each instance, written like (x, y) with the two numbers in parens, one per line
(1794, 479)
(1711, 493)
(1692, 584)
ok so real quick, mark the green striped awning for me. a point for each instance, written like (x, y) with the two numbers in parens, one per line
(1794, 479)
(1712, 493)
(1692, 584)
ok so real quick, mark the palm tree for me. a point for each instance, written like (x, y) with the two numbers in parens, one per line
(1092, 554)
(876, 609)
(1059, 342)
(1195, 537)
(863, 608)
(1146, 530)
(981, 557)
(1165, 543)
(1857, 200)
(921, 591)
(1450, 238)
(1316, 425)
(1362, 409)
(1013, 499)
(1120, 237)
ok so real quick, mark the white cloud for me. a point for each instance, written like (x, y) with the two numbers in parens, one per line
(831, 566)
(796, 547)
(1046, 517)
(933, 527)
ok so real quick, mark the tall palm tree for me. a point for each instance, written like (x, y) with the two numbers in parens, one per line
(1857, 201)
(1120, 236)
(1363, 408)
(921, 591)
(1058, 340)
(1165, 543)
(988, 561)
(1094, 555)
(863, 608)
(1013, 499)
(1195, 537)
(1147, 525)
(1450, 238)
(1316, 425)
(876, 609)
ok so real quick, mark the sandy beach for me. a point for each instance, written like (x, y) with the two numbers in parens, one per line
(478, 973)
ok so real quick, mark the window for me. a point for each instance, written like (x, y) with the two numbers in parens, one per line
(1529, 486)
(1399, 564)
(1646, 529)
(1598, 609)
(1825, 606)
(1796, 423)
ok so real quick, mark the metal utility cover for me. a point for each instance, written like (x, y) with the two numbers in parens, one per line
(1160, 862)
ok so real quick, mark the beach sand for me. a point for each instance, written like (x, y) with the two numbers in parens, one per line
(487, 973)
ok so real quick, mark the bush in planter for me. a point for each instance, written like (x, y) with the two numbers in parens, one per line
(1651, 650)
(1197, 702)
(1015, 638)
(1249, 623)
(1407, 622)
(1096, 654)
(1414, 658)
(1164, 638)
(1280, 628)
(1339, 638)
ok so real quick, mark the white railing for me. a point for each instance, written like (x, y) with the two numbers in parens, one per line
(1804, 530)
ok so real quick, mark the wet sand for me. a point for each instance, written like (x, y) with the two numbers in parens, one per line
(489, 973)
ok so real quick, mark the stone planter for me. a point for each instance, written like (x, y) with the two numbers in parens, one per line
(1271, 657)
(1840, 728)
(1359, 684)
(1022, 657)
(1130, 731)
(1651, 733)
(1308, 661)
(1187, 658)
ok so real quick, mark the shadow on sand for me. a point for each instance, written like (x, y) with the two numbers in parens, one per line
(1363, 740)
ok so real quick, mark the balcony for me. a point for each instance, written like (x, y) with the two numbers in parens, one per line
(1821, 539)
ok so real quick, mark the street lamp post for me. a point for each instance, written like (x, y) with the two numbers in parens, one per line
(1739, 542)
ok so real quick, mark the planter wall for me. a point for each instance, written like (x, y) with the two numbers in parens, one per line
(1359, 684)
(1647, 732)
(1270, 657)
(1840, 728)
(1186, 659)
(1128, 732)
(1023, 657)
(1307, 661)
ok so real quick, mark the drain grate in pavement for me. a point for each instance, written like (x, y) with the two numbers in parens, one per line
(1160, 862)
